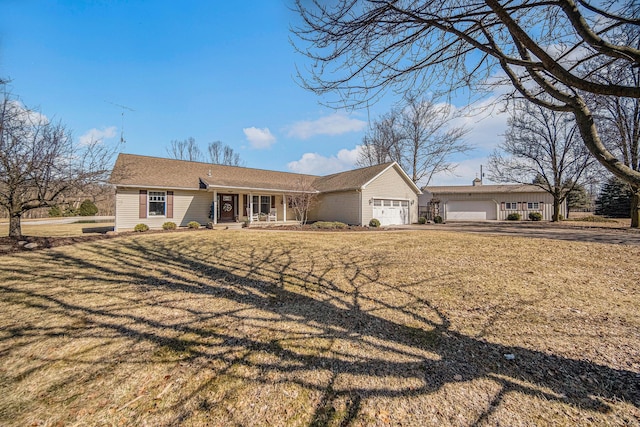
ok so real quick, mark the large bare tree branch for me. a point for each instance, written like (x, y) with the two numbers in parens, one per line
(551, 52)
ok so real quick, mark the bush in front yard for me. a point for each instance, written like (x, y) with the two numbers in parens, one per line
(329, 225)
(422, 220)
(535, 216)
(513, 217)
(55, 211)
(169, 225)
(374, 223)
(437, 219)
(193, 224)
(141, 227)
(87, 208)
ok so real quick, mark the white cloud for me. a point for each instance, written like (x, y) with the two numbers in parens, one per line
(335, 124)
(317, 164)
(259, 138)
(95, 134)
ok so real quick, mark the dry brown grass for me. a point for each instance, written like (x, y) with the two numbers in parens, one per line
(263, 328)
(32, 228)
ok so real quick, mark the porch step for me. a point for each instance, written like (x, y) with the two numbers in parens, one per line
(228, 226)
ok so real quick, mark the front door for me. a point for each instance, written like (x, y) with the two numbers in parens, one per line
(228, 203)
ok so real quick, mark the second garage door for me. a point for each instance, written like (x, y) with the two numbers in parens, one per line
(471, 210)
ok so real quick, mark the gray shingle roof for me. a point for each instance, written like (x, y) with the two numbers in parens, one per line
(478, 189)
(144, 171)
(349, 180)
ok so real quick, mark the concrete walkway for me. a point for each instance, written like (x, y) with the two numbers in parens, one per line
(543, 230)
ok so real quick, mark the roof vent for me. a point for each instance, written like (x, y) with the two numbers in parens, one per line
(209, 173)
(477, 182)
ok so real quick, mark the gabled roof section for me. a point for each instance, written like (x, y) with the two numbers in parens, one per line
(349, 180)
(143, 171)
(132, 170)
(358, 179)
(480, 189)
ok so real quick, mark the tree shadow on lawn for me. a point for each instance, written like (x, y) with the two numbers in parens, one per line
(269, 290)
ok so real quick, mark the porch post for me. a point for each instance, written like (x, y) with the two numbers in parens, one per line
(250, 213)
(284, 207)
(215, 207)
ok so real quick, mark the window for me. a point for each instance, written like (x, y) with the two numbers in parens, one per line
(533, 205)
(157, 203)
(511, 206)
(377, 202)
(261, 204)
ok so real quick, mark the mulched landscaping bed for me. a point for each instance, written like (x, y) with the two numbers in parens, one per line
(310, 227)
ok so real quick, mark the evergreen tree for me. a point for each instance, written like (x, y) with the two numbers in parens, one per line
(614, 200)
(578, 199)
(87, 208)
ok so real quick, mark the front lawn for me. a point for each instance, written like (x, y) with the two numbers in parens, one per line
(314, 329)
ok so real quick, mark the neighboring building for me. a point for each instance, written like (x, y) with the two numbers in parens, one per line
(154, 190)
(480, 202)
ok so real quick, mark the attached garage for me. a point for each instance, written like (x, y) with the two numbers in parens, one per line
(471, 210)
(391, 212)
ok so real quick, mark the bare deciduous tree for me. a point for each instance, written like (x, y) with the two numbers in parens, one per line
(383, 141)
(222, 154)
(542, 147)
(302, 201)
(550, 53)
(618, 118)
(186, 149)
(419, 136)
(39, 163)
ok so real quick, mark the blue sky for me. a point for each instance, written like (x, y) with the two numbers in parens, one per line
(210, 70)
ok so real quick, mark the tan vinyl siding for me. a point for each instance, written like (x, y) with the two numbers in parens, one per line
(545, 200)
(187, 206)
(389, 185)
(343, 206)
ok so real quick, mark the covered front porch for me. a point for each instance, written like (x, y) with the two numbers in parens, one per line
(257, 207)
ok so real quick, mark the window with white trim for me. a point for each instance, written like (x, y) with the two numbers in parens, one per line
(533, 205)
(511, 206)
(261, 204)
(157, 203)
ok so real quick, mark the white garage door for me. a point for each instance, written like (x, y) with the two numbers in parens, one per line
(471, 210)
(391, 212)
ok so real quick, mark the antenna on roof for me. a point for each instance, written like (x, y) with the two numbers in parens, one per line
(122, 107)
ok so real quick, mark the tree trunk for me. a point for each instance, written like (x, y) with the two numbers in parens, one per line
(15, 230)
(556, 209)
(591, 139)
(635, 208)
